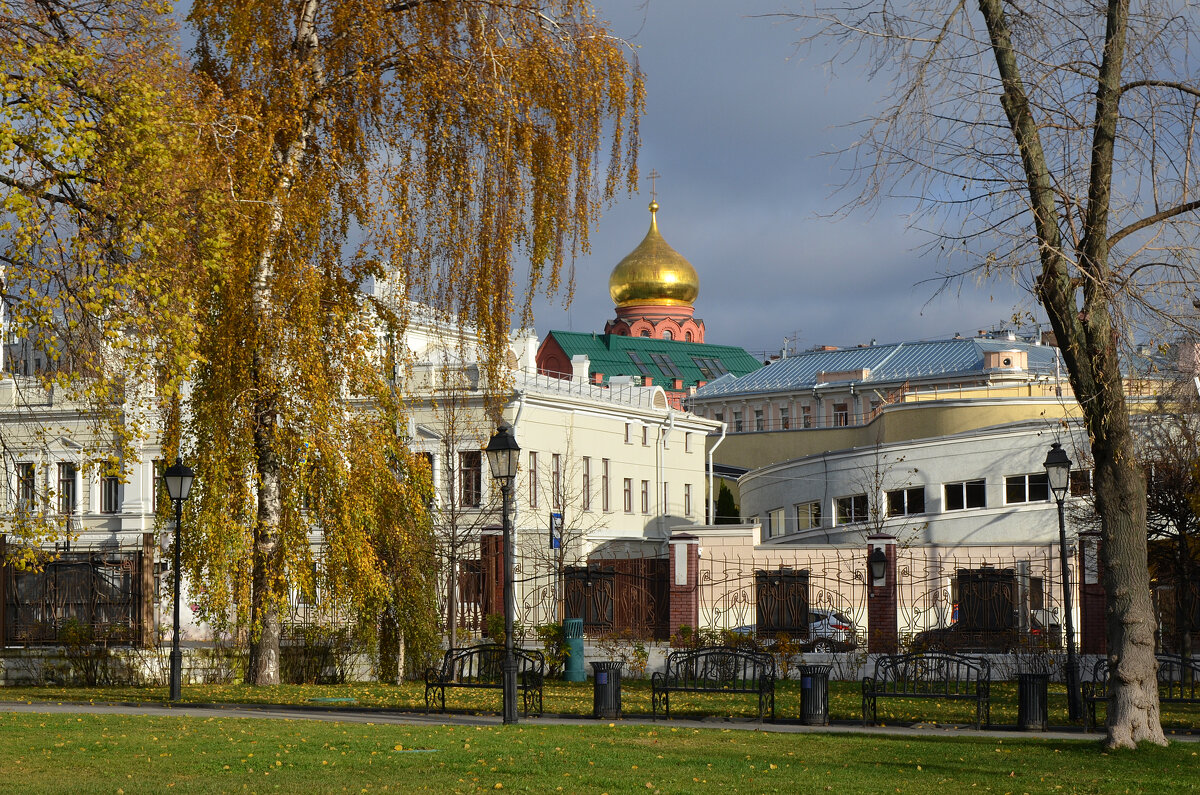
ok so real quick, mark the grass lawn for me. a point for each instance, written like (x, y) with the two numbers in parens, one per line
(128, 754)
(845, 701)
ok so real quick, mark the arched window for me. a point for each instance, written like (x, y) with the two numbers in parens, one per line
(645, 332)
(667, 335)
(688, 336)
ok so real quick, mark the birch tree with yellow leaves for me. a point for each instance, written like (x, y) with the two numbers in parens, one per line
(440, 141)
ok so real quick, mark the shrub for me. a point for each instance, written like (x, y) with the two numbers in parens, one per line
(554, 647)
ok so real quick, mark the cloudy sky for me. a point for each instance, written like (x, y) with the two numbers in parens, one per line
(736, 123)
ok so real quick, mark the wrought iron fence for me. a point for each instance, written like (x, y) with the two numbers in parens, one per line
(980, 599)
(102, 591)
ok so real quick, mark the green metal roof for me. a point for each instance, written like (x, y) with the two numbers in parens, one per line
(662, 360)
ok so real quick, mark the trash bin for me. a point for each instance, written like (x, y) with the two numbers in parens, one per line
(606, 693)
(573, 640)
(814, 694)
(1033, 712)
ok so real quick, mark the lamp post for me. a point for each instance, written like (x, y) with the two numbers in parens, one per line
(179, 484)
(1058, 471)
(503, 453)
(878, 562)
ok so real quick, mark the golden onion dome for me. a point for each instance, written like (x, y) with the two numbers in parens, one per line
(654, 273)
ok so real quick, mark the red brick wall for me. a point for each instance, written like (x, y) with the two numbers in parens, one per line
(685, 599)
(881, 603)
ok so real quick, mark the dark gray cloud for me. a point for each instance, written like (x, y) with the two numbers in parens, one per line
(737, 125)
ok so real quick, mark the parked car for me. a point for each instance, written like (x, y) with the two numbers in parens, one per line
(959, 637)
(830, 630)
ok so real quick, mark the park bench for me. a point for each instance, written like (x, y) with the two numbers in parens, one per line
(482, 667)
(936, 675)
(715, 669)
(1178, 683)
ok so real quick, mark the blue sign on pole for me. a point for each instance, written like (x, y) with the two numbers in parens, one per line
(555, 530)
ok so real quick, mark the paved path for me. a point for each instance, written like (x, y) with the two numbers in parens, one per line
(351, 715)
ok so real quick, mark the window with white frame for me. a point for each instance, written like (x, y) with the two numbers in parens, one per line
(852, 509)
(645, 436)
(629, 433)
(1034, 487)
(470, 480)
(110, 494)
(841, 415)
(785, 420)
(808, 515)
(587, 483)
(759, 423)
(775, 523)
(737, 422)
(966, 494)
(645, 496)
(687, 442)
(905, 502)
(806, 416)
(67, 501)
(628, 495)
(687, 499)
(533, 479)
(605, 505)
(26, 486)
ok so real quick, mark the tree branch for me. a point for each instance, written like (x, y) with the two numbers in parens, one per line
(1170, 212)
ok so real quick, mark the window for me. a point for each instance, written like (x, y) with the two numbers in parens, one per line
(841, 415)
(157, 485)
(667, 335)
(638, 363)
(687, 442)
(968, 494)
(604, 502)
(806, 416)
(629, 433)
(1026, 488)
(687, 499)
(785, 421)
(758, 420)
(904, 502)
(710, 368)
(26, 486)
(665, 363)
(556, 480)
(628, 494)
(1081, 482)
(66, 488)
(110, 494)
(808, 515)
(587, 483)
(851, 509)
(533, 480)
(737, 422)
(687, 336)
(470, 486)
(774, 523)
(645, 496)
(645, 436)
(719, 416)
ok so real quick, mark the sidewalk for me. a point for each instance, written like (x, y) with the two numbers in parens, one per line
(386, 716)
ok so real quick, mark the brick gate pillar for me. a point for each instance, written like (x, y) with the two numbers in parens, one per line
(684, 597)
(881, 598)
(1092, 631)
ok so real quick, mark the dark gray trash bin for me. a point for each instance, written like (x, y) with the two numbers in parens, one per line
(814, 694)
(606, 689)
(1033, 708)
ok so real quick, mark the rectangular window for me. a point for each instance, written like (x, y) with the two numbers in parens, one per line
(587, 483)
(110, 494)
(645, 496)
(666, 364)
(639, 364)
(759, 425)
(666, 503)
(605, 505)
(1026, 488)
(785, 420)
(1081, 482)
(556, 481)
(774, 523)
(808, 515)
(470, 468)
(687, 499)
(66, 488)
(852, 509)
(157, 485)
(905, 502)
(968, 494)
(629, 433)
(645, 436)
(687, 442)
(26, 486)
(719, 416)
(533, 480)
(841, 415)
(628, 494)
(806, 416)
(737, 422)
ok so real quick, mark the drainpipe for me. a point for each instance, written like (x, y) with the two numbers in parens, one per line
(712, 498)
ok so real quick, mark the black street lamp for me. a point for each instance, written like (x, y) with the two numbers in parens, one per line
(503, 453)
(1058, 472)
(179, 484)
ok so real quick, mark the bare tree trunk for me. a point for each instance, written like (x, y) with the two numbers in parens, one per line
(267, 584)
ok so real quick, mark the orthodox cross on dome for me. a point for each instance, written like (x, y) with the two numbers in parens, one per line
(654, 175)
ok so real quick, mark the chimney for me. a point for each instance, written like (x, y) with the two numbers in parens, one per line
(597, 378)
(677, 384)
(579, 368)
(647, 380)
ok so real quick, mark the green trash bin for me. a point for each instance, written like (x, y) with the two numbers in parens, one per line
(573, 635)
